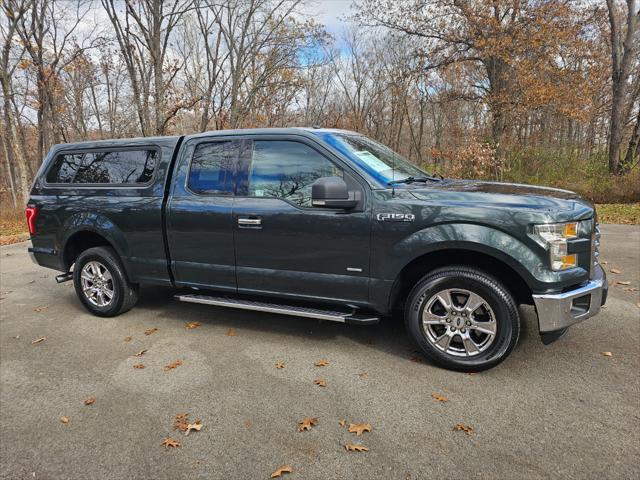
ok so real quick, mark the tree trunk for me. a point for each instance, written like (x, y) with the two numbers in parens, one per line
(634, 145)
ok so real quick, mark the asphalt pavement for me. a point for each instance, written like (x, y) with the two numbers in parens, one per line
(559, 411)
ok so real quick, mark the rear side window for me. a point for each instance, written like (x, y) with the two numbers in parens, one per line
(104, 167)
(213, 168)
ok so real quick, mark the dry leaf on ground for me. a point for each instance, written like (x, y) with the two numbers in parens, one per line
(342, 422)
(140, 353)
(38, 340)
(169, 442)
(231, 332)
(181, 422)
(353, 447)
(321, 363)
(307, 423)
(128, 339)
(362, 374)
(197, 426)
(281, 470)
(416, 359)
(320, 382)
(40, 309)
(632, 289)
(439, 398)
(139, 366)
(463, 428)
(150, 331)
(90, 401)
(623, 283)
(280, 365)
(64, 419)
(606, 354)
(191, 325)
(247, 423)
(172, 365)
(359, 428)
(615, 270)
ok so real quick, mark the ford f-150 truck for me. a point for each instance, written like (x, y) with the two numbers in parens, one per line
(318, 223)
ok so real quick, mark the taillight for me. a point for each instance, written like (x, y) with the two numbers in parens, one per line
(31, 216)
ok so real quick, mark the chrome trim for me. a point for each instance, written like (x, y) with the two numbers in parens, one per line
(555, 309)
(249, 221)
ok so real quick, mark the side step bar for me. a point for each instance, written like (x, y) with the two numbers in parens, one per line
(334, 316)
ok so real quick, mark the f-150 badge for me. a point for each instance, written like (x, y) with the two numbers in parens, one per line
(395, 217)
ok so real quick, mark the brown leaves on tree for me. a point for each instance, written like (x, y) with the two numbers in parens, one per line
(128, 338)
(281, 470)
(139, 366)
(360, 428)
(150, 331)
(90, 401)
(354, 447)
(172, 365)
(320, 382)
(280, 365)
(231, 332)
(191, 325)
(321, 363)
(64, 419)
(307, 423)
(439, 398)
(463, 428)
(38, 340)
(170, 443)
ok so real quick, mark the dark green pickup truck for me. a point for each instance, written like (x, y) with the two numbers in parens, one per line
(317, 223)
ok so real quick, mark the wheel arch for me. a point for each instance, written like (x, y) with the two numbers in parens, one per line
(80, 241)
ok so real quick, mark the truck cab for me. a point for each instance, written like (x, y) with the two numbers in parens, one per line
(317, 223)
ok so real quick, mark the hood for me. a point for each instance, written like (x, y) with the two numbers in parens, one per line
(500, 194)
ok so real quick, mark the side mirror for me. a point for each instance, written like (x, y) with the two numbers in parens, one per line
(332, 192)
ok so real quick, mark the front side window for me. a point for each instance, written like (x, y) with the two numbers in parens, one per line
(104, 167)
(213, 168)
(286, 169)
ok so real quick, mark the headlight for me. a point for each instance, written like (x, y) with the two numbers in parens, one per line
(554, 236)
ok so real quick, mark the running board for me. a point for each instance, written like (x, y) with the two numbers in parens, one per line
(334, 316)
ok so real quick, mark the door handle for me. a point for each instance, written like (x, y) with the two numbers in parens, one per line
(244, 222)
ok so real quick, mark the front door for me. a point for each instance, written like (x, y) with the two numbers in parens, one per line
(286, 246)
(199, 214)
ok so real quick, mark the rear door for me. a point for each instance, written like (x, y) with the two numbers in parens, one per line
(284, 246)
(199, 221)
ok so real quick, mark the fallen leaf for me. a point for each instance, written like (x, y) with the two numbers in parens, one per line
(632, 289)
(307, 423)
(90, 401)
(623, 283)
(231, 332)
(40, 309)
(353, 447)
(128, 339)
(140, 353)
(464, 428)
(280, 365)
(64, 419)
(247, 423)
(191, 325)
(342, 422)
(362, 374)
(416, 359)
(139, 366)
(604, 262)
(38, 340)
(281, 470)
(359, 428)
(197, 426)
(181, 422)
(615, 270)
(439, 398)
(320, 382)
(172, 365)
(607, 354)
(169, 442)
(150, 331)
(321, 363)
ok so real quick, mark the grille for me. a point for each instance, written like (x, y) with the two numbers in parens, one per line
(595, 245)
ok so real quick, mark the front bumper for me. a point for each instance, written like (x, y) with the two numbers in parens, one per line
(557, 311)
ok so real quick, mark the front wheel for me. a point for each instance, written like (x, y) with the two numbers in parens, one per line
(101, 283)
(463, 319)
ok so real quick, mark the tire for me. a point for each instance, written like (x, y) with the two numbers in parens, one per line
(103, 273)
(461, 337)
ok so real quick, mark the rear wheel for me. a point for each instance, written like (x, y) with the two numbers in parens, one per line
(101, 283)
(462, 318)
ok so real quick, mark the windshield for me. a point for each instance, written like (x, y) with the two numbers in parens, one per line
(374, 157)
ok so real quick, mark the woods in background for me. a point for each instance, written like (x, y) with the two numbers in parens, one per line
(532, 91)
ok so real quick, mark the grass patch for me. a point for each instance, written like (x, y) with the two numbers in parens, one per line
(624, 213)
(13, 227)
